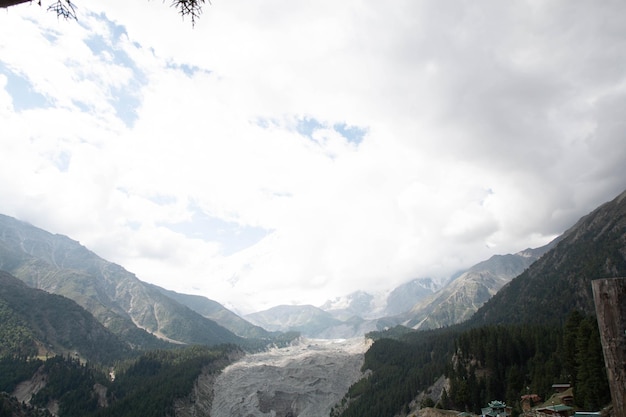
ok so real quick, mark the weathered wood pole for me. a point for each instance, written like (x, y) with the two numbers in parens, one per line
(609, 296)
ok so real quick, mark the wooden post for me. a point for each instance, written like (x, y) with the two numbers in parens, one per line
(609, 296)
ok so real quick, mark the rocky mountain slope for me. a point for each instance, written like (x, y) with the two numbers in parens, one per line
(117, 298)
(462, 297)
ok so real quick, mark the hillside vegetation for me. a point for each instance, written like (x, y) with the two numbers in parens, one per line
(34, 322)
(485, 363)
(147, 386)
(540, 329)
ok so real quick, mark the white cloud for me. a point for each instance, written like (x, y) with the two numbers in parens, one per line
(486, 128)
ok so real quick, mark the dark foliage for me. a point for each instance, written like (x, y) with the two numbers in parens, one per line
(17, 339)
(30, 318)
(149, 386)
(67, 9)
(71, 384)
(400, 368)
(146, 386)
(485, 363)
(189, 8)
(11, 407)
(14, 370)
(63, 8)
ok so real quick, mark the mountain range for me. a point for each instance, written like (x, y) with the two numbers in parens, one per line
(420, 303)
(148, 316)
(56, 296)
(143, 315)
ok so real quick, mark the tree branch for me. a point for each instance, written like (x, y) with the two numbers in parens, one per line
(8, 3)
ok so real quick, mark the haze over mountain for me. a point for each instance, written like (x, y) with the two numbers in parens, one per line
(127, 305)
(407, 295)
(464, 295)
(419, 303)
(358, 303)
(137, 310)
(306, 319)
(124, 304)
(382, 304)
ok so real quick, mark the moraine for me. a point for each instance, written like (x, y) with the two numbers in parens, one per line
(305, 380)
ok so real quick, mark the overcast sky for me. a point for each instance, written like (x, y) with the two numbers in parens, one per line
(290, 152)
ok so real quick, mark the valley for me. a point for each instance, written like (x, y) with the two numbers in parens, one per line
(510, 324)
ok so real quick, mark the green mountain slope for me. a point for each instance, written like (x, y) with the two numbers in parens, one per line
(34, 322)
(155, 383)
(560, 281)
(120, 301)
(215, 311)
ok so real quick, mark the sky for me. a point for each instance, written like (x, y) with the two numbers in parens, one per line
(284, 152)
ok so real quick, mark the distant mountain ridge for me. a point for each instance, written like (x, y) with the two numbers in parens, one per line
(463, 296)
(306, 319)
(127, 306)
(420, 303)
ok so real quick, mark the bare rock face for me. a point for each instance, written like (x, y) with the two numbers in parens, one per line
(25, 390)
(307, 379)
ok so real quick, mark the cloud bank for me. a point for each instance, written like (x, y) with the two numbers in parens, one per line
(284, 153)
